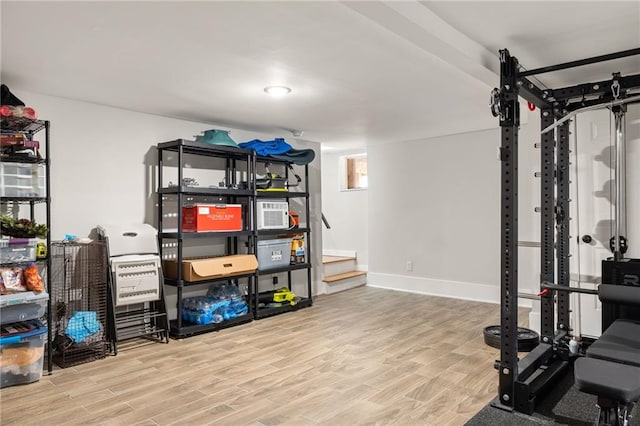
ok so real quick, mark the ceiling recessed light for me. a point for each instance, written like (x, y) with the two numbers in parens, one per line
(277, 90)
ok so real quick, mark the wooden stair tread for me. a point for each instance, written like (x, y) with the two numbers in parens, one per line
(333, 259)
(343, 276)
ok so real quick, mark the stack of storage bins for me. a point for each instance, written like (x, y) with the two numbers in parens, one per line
(22, 335)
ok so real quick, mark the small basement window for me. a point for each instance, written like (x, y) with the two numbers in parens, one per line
(354, 172)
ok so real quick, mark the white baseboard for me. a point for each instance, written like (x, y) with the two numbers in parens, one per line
(339, 253)
(434, 287)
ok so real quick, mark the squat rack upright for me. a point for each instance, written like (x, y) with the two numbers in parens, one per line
(520, 382)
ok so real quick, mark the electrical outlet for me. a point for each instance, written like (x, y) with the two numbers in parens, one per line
(409, 266)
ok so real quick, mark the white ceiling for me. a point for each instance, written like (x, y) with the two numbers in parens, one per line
(361, 72)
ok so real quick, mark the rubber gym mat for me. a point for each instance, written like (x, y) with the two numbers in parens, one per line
(563, 404)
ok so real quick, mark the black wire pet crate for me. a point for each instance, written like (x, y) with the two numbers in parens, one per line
(79, 302)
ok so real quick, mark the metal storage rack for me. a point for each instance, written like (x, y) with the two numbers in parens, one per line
(233, 158)
(79, 297)
(28, 128)
(263, 312)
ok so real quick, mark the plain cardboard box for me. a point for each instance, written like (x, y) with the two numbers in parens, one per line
(202, 269)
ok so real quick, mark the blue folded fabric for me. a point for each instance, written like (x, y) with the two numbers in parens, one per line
(81, 325)
(297, 156)
(276, 146)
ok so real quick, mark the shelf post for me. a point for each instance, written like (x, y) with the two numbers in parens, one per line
(47, 148)
(179, 247)
(309, 252)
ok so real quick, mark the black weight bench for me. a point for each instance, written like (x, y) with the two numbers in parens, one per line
(619, 343)
(611, 370)
(616, 385)
(612, 380)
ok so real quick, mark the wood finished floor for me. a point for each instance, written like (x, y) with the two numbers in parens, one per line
(365, 356)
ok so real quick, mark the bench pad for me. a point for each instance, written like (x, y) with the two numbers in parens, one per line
(611, 380)
(620, 343)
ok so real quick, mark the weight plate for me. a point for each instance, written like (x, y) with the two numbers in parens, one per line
(527, 339)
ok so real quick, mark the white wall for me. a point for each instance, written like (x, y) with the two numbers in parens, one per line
(436, 203)
(103, 163)
(346, 211)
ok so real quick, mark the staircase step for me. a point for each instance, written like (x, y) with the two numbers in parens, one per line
(333, 259)
(343, 276)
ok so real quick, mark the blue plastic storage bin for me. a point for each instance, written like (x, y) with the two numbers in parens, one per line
(21, 352)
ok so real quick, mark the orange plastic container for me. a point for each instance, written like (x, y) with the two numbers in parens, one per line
(212, 217)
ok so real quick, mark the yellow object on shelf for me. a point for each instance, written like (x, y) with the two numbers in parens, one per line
(41, 250)
(273, 190)
(285, 295)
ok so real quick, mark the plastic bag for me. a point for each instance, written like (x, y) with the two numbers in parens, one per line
(13, 279)
(224, 291)
(32, 278)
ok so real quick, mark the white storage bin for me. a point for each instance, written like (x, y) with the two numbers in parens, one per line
(19, 169)
(13, 191)
(274, 253)
(22, 306)
(18, 250)
(22, 180)
(19, 181)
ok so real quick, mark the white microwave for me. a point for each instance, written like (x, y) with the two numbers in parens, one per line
(273, 214)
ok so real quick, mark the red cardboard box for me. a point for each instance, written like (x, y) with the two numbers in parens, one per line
(212, 217)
